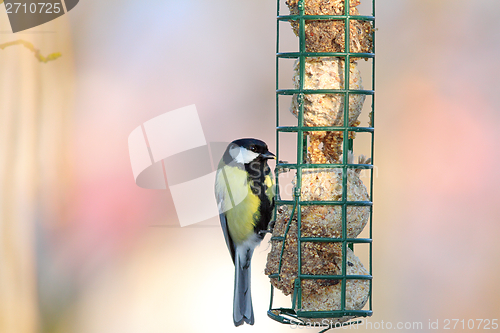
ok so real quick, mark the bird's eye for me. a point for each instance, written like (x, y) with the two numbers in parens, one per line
(253, 148)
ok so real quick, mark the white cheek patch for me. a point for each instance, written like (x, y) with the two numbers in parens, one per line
(234, 152)
(242, 155)
(248, 156)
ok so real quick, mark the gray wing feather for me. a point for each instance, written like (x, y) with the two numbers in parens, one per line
(220, 197)
(242, 302)
(227, 237)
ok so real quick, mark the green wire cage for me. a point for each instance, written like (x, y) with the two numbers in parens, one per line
(314, 30)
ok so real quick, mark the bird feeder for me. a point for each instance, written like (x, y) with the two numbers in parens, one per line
(320, 227)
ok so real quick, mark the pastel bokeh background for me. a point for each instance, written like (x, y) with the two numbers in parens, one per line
(85, 250)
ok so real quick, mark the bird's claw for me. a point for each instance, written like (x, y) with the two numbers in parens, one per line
(264, 232)
(269, 229)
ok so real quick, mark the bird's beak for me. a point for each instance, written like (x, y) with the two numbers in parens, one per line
(268, 155)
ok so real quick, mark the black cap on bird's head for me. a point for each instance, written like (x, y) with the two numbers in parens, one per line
(247, 150)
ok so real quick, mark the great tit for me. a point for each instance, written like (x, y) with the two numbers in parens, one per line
(244, 189)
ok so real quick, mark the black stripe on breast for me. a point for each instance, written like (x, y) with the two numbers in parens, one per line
(257, 172)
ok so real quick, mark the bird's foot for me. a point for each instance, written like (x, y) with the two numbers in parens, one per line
(269, 229)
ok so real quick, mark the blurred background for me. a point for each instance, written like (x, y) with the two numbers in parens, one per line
(85, 250)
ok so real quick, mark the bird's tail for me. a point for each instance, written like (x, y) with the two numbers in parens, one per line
(242, 302)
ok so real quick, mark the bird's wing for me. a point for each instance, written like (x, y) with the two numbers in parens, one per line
(229, 241)
(220, 193)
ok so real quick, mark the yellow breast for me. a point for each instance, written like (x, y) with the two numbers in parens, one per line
(237, 201)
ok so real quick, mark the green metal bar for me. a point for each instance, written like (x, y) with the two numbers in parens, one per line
(286, 233)
(323, 91)
(300, 147)
(323, 166)
(327, 239)
(326, 203)
(333, 240)
(333, 314)
(323, 54)
(325, 17)
(315, 314)
(370, 304)
(277, 151)
(336, 277)
(326, 128)
(272, 297)
(277, 133)
(347, 86)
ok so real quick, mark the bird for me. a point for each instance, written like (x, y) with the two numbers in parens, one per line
(244, 191)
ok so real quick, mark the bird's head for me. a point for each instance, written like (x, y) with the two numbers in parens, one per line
(245, 151)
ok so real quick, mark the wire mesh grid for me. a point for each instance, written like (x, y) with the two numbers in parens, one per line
(295, 314)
